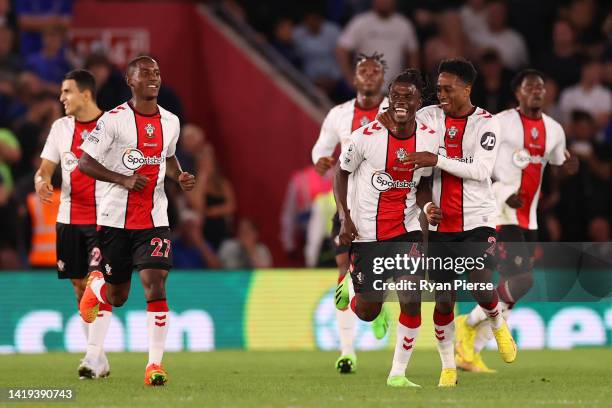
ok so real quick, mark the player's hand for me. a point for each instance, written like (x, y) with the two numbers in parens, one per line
(515, 201)
(187, 181)
(386, 120)
(433, 214)
(348, 231)
(421, 159)
(135, 182)
(44, 191)
(324, 164)
(571, 164)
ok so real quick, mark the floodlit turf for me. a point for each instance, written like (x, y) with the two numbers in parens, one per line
(308, 379)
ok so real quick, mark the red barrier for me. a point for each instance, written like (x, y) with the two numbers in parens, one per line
(260, 134)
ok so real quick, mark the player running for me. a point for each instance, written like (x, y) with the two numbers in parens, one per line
(385, 208)
(529, 140)
(77, 247)
(337, 127)
(132, 149)
(462, 189)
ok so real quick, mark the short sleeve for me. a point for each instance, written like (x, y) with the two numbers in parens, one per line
(557, 154)
(352, 153)
(99, 140)
(51, 151)
(174, 141)
(350, 37)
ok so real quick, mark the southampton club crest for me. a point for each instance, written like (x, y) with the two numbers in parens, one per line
(84, 134)
(452, 132)
(149, 129)
(401, 154)
(534, 133)
(364, 121)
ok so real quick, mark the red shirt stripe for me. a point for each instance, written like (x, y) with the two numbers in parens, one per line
(392, 203)
(451, 194)
(139, 204)
(82, 187)
(362, 117)
(534, 141)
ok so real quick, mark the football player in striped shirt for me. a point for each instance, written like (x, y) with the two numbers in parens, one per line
(77, 247)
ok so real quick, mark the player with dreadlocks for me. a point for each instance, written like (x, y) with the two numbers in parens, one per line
(337, 127)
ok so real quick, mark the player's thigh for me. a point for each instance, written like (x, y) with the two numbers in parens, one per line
(116, 247)
(71, 249)
(480, 245)
(152, 250)
(92, 240)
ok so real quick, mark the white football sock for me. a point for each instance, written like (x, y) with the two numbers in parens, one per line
(404, 345)
(97, 334)
(483, 335)
(495, 316)
(345, 319)
(476, 316)
(157, 326)
(445, 336)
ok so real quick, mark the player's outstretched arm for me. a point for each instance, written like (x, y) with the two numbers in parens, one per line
(42, 180)
(94, 169)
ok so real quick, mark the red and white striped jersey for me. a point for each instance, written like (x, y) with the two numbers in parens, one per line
(340, 122)
(526, 146)
(128, 142)
(384, 205)
(79, 192)
(462, 177)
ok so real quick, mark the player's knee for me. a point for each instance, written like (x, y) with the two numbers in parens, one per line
(411, 308)
(155, 291)
(367, 314)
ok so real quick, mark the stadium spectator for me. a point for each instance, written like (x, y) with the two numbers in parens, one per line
(10, 62)
(551, 100)
(189, 249)
(192, 145)
(581, 14)
(283, 41)
(304, 185)
(562, 61)
(593, 178)
(474, 18)
(10, 153)
(7, 15)
(36, 16)
(507, 42)
(318, 250)
(449, 42)
(599, 230)
(588, 95)
(50, 63)
(491, 90)
(111, 87)
(315, 43)
(381, 30)
(213, 198)
(245, 250)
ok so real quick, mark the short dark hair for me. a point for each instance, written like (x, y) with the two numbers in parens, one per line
(84, 81)
(133, 64)
(376, 57)
(518, 79)
(411, 76)
(460, 67)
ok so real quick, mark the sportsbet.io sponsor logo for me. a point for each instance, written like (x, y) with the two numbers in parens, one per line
(383, 181)
(69, 161)
(521, 158)
(133, 159)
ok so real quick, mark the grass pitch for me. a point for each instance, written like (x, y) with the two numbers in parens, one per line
(308, 379)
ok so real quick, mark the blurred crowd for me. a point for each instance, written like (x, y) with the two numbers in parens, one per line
(35, 54)
(570, 41)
